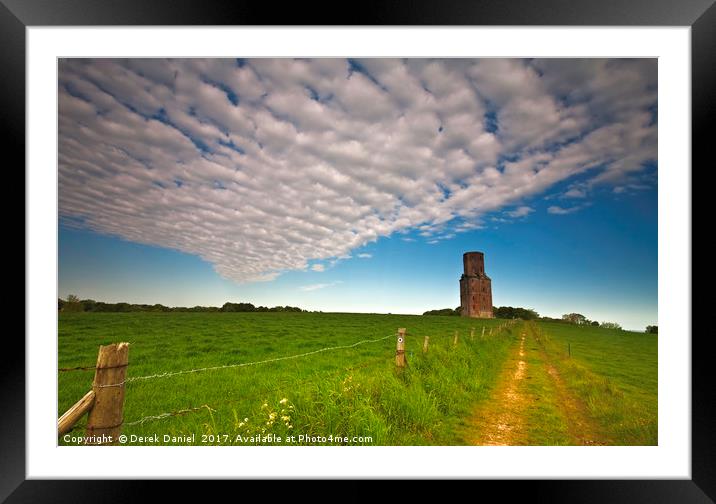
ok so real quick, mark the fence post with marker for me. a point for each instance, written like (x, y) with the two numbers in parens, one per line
(426, 341)
(104, 422)
(400, 349)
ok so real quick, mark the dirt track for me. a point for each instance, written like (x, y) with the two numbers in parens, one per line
(531, 404)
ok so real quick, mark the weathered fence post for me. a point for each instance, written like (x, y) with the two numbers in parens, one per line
(104, 422)
(472, 334)
(72, 415)
(426, 341)
(483, 333)
(454, 340)
(490, 331)
(569, 349)
(400, 349)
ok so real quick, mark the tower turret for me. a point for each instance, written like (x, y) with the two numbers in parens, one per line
(475, 287)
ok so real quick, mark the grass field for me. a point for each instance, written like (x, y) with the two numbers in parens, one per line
(347, 392)
(614, 373)
(356, 391)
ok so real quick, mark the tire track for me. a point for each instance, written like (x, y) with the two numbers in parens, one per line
(504, 419)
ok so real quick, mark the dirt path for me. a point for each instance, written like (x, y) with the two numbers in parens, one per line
(531, 404)
(504, 425)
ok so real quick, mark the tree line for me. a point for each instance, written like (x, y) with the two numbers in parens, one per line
(510, 312)
(75, 304)
(501, 312)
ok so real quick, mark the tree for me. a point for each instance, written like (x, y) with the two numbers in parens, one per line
(88, 304)
(72, 304)
(610, 325)
(652, 329)
(595, 323)
(574, 318)
(509, 312)
(238, 307)
(444, 311)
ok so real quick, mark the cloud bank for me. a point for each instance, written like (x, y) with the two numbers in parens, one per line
(262, 166)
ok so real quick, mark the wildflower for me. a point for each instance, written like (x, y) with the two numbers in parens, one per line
(290, 426)
(272, 416)
(283, 401)
(246, 419)
(241, 424)
(285, 418)
(264, 406)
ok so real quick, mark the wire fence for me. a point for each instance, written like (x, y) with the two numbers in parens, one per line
(213, 407)
(226, 366)
(254, 363)
(216, 405)
(211, 368)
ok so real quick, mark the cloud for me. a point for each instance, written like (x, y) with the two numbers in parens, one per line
(520, 212)
(265, 166)
(556, 210)
(312, 287)
(575, 193)
(364, 256)
(318, 267)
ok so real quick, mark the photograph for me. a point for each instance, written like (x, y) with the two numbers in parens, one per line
(357, 251)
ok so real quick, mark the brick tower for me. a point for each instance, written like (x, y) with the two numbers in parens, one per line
(475, 287)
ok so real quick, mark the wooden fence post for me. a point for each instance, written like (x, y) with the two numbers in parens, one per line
(426, 341)
(400, 349)
(104, 422)
(483, 333)
(454, 340)
(72, 415)
(472, 333)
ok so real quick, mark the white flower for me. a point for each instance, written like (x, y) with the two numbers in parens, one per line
(283, 401)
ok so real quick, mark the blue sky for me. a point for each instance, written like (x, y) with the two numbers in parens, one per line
(342, 185)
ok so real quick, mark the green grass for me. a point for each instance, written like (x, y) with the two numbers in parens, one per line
(614, 374)
(546, 421)
(345, 392)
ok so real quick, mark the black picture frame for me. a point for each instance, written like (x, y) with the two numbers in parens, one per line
(700, 15)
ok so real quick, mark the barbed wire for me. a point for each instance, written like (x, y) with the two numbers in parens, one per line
(162, 416)
(254, 363)
(189, 410)
(93, 368)
(90, 368)
(184, 411)
(78, 368)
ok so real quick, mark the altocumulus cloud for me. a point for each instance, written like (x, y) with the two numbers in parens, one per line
(262, 166)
